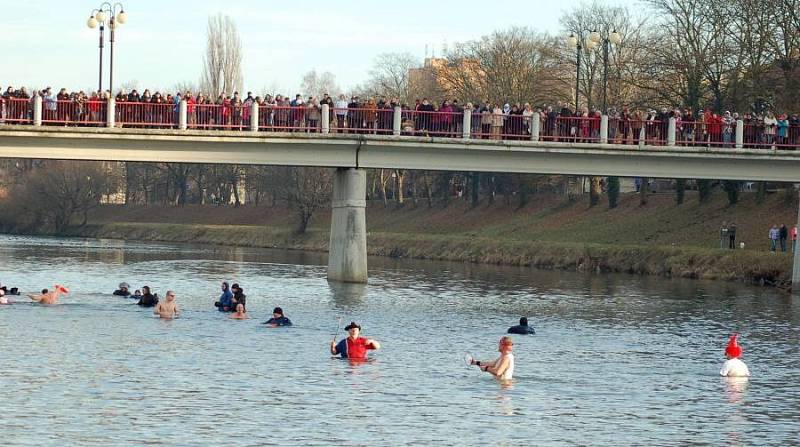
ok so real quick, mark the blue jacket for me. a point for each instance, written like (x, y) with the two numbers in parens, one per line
(225, 299)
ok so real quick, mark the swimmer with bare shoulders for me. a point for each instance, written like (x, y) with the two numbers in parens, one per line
(167, 309)
(48, 297)
(240, 313)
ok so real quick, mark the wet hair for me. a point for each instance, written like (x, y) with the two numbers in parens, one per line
(44, 291)
(523, 321)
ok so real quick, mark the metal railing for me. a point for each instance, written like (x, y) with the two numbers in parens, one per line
(487, 125)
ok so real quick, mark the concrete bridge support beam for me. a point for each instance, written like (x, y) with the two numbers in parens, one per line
(796, 265)
(347, 251)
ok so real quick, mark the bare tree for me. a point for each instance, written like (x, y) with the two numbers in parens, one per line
(305, 190)
(389, 76)
(315, 84)
(222, 64)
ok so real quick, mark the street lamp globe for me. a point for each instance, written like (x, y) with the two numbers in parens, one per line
(92, 22)
(100, 16)
(590, 44)
(572, 40)
(615, 37)
(122, 17)
(594, 36)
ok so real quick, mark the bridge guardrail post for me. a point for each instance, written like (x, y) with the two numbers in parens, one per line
(182, 115)
(603, 129)
(467, 123)
(326, 118)
(37, 109)
(397, 124)
(254, 117)
(536, 125)
(671, 128)
(739, 134)
(111, 113)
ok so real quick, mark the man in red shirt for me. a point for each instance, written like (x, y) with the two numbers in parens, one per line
(353, 347)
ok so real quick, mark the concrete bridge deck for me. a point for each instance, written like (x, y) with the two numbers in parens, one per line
(397, 152)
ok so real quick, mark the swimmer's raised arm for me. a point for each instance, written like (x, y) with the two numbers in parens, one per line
(375, 344)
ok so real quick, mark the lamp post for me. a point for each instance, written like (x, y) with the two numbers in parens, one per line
(107, 13)
(591, 39)
(578, 42)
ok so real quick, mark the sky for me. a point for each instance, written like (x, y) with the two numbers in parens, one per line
(47, 42)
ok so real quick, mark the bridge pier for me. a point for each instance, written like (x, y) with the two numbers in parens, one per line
(796, 264)
(347, 251)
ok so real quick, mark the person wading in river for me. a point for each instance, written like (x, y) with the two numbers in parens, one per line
(353, 347)
(502, 367)
(167, 309)
(47, 297)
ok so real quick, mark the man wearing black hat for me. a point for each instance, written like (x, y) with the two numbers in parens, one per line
(278, 319)
(353, 347)
(522, 328)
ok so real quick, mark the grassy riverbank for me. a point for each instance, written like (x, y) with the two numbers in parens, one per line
(660, 238)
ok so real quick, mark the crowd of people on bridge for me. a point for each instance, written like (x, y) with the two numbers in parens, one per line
(375, 115)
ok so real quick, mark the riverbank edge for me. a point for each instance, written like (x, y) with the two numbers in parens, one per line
(751, 267)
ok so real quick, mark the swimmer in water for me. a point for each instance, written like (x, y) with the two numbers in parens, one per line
(522, 328)
(278, 319)
(240, 313)
(353, 347)
(3, 299)
(502, 367)
(734, 366)
(167, 309)
(47, 297)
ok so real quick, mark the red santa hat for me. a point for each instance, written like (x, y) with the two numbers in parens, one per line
(733, 349)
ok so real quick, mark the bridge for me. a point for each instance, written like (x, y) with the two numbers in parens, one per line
(350, 154)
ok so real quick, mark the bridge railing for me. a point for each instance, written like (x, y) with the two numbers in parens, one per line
(385, 121)
(16, 111)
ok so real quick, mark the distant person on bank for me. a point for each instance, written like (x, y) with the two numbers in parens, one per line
(278, 319)
(522, 328)
(732, 236)
(794, 238)
(167, 309)
(783, 234)
(734, 366)
(774, 235)
(353, 347)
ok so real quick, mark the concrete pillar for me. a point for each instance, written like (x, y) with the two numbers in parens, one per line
(37, 110)
(397, 124)
(739, 134)
(603, 129)
(467, 127)
(111, 113)
(254, 117)
(796, 265)
(536, 126)
(347, 251)
(671, 127)
(326, 118)
(183, 111)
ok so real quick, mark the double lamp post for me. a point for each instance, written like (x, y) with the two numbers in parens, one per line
(591, 39)
(113, 15)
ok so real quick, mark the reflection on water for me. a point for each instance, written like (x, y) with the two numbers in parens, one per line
(616, 359)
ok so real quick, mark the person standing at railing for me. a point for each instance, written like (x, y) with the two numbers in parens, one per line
(770, 124)
(782, 130)
(247, 104)
(497, 123)
(314, 115)
(446, 118)
(340, 110)
(236, 111)
(370, 115)
(354, 117)
(527, 117)
(485, 112)
(794, 131)
(327, 100)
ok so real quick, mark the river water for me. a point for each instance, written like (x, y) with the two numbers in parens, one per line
(617, 360)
